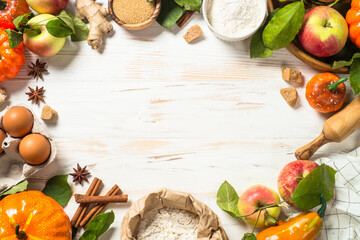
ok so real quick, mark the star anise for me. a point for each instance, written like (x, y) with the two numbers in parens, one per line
(36, 95)
(80, 174)
(37, 69)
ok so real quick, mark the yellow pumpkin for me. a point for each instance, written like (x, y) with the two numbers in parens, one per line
(31, 215)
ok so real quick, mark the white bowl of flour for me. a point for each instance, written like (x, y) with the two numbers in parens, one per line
(234, 20)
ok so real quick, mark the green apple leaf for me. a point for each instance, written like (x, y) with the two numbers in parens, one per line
(249, 236)
(284, 26)
(191, 5)
(98, 226)
(21, 21)
(81, 29)
(355, 76)
(20, 187)
(3, 5)
(227, 199)
(64, 16)
(257, 46)
(58, 28)
(170, 13)
(58, 188)
(15, 38)
(319, 181)
(343, 63)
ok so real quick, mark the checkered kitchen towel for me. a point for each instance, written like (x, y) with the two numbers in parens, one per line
(342, 218)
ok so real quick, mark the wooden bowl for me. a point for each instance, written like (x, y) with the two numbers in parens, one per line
(296, 49)
(137, 26)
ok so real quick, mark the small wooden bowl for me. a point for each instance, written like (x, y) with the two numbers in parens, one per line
(137, 26)
(295, 48)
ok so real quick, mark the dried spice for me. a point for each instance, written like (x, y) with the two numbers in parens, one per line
(36, 95)
(80, 174)
(37, 69)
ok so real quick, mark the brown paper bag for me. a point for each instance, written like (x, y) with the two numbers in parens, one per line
(209, 224)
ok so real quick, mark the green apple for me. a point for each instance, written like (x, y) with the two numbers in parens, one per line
(39, 40)
(255, 197)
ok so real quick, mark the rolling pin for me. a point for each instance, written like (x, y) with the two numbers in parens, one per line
(335, 129)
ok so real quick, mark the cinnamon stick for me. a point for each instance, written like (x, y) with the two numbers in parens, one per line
(80, 212)
(99, 207)
(101, 199)
(184, 18)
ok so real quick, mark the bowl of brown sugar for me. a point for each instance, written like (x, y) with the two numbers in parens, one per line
(134, 14)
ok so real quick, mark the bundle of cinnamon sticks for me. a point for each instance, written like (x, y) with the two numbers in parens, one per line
(81, 218)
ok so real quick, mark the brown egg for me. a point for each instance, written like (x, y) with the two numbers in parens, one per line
(35, 149)
(2, 137)
(18, 121)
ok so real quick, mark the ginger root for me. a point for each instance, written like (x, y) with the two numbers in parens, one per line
(96, 16)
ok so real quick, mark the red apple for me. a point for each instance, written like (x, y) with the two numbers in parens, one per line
(324, 31)
(48, 6)
(40, 41)
(258, 196)
(291, 175)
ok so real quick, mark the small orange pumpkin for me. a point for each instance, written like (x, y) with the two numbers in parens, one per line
(353, 20)
(31, 215)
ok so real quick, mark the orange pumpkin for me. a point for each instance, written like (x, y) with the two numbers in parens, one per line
(353, 20)
(31, 215)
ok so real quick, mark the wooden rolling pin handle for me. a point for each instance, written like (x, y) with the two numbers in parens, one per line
(305, 152)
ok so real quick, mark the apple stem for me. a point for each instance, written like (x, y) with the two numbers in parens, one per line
(333, 87)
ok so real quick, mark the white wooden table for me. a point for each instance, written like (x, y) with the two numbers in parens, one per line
(152, 111)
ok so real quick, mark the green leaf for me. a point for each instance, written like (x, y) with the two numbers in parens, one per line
(99, 225)
(227, 199)
(20, 187)
(284, 26)
(170, 13)
(355, 76)
(191, 5)
(249, 236)
(58, 188)
(343, 63)
(319, 181)
(257, 46)
(15, 38)
(21, 21)
(81, 29)
(3, 5)
(64, 16)
(58, 28)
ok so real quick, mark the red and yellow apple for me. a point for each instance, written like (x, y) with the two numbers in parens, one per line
(48, 6)
(324, 32)
(291, 175)
(255, 197)
(39, 40)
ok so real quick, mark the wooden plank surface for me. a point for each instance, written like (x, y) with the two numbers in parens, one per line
(152, 111)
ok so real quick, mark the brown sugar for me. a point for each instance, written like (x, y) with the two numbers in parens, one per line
(193, 33)
(292, 75)
(133, 11)
(48, 113)
(290, 95)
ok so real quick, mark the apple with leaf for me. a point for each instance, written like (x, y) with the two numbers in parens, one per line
(315, 189)
(45, 34)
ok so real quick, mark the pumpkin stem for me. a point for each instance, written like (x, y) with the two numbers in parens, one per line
(3, 5)
(333, 87)
(20, 234)
(321, 210)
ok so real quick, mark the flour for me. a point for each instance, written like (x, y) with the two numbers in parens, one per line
(233, 17)
(169, 224)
